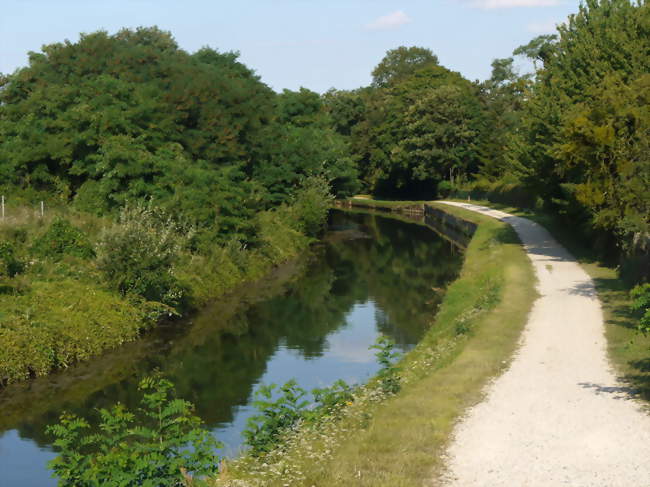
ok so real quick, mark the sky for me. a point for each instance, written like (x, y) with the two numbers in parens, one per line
(316, 44)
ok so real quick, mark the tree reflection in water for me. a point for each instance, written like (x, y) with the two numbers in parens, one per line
(312, 319)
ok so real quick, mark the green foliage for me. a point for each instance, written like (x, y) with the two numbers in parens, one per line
(277, 415)
(101, 115)
(445, 188)
(440, 134)
(388, 376)
(311, 204)
(138, 253)
(54, 324)
(584, 132)
(63, 238)
(305, 145)
(641, 305)
(330, 400)
(10, 265)
(400, 63)
(421, 127)
(157, 445)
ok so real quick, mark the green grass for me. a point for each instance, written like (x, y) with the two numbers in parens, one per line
(61, 309)
(628, 350)
(398, 441)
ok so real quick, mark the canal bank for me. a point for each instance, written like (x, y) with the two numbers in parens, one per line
(372, 275)
(399, 441)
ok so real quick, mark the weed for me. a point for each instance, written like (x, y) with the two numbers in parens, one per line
(276, 415)
(388, 375)
(154, 445)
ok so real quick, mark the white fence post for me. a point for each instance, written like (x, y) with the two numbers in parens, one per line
(3, 207)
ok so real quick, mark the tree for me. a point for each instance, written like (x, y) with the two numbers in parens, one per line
(400, 63)
(395, 148)
(305, 144)
(583, 133)
(539, 49)
(440, 134)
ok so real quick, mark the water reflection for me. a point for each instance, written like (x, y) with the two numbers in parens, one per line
(313, 320)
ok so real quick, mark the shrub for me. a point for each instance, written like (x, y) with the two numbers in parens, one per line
(641, 306)
(153, 446)
(10, 266)
(137, 254)
(63, 238)
(331, 399)
(60, 322)
(311, 203)
(277, 414)
(445, 188)
(388, 375)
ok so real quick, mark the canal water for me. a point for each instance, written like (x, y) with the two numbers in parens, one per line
(313, 320)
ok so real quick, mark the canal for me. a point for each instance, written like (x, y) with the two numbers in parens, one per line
(313, 319)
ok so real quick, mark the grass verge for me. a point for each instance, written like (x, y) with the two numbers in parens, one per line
(628, 350)
(398, 440)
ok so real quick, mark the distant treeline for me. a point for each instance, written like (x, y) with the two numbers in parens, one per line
(117, 118)
(572, 138)
(114, 118)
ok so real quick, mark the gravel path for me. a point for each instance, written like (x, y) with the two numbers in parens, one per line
(558, 415)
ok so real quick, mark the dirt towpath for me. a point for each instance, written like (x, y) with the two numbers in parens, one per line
(558, 415)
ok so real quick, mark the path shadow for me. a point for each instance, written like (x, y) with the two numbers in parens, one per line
(635, 385)
(640, 380)
(584, 289)
(618, 392)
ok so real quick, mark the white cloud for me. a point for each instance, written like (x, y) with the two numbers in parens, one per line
(494, 4)
(393, 20)
(544, 27)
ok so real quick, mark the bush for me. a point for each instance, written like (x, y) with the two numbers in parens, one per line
(388, 375)
(311, 204)
(137, 254)
(444, 189)
(276, 416)
(10, 266)
(331, 399)
(63, 238)
(160, 444)
(641, 306)
(58, 323)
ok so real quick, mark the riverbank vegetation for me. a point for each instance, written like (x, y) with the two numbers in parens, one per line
(379, 438)
(571, 138)
(141, 181)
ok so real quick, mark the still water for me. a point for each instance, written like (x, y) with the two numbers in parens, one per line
(313, 320)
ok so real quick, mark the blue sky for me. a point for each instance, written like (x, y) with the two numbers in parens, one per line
(293, 43)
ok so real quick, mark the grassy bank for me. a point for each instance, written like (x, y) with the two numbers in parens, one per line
(73, 285)
(398, 440)
(629, 350)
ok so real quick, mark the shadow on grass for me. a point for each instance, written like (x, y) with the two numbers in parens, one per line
(618, 392)
(7, 289)
(502, 235)
(640, 379)
(609, 292)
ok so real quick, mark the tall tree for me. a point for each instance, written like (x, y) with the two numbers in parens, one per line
(400, 63)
